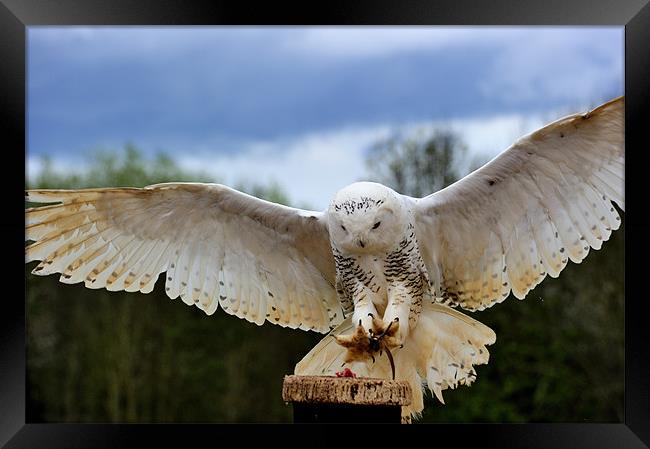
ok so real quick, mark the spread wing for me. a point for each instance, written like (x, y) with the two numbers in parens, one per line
(545, 200)
(257, 260)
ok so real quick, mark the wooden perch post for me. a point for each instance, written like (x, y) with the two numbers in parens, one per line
(345, 399)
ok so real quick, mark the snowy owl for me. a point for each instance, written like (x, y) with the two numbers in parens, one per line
(381, 272)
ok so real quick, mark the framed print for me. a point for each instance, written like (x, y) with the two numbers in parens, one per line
(292, 113)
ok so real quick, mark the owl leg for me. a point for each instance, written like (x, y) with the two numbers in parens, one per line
(396, 320)
(364, 310)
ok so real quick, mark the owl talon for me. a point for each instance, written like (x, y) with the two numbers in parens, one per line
(363, 344)
(389, 337)
(357, 344)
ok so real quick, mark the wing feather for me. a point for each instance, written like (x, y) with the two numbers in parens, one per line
(544, 201)
(261, 261)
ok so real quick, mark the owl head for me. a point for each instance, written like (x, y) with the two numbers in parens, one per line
(366, 218)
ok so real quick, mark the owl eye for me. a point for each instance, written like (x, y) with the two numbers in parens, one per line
(376, 225)
(343, 227)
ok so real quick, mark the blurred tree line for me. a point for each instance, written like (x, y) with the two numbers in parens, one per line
(98, 356)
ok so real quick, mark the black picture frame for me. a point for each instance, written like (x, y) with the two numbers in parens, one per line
(16, 15)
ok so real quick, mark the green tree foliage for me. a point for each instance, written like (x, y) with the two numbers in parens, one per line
(114, 169)
(559, 354)
(100, 356)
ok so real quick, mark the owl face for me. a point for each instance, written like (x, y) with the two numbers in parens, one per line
(366, 218)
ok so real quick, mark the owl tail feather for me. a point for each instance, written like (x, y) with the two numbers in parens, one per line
(439, 353)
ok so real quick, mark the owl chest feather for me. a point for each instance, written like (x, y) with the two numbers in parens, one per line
(374, 276)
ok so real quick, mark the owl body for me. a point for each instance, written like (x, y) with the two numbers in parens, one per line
(396, 282)
(381, 277)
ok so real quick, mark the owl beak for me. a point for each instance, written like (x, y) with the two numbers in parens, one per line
(361, 244)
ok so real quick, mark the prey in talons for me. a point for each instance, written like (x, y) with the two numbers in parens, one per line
(363, 344)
